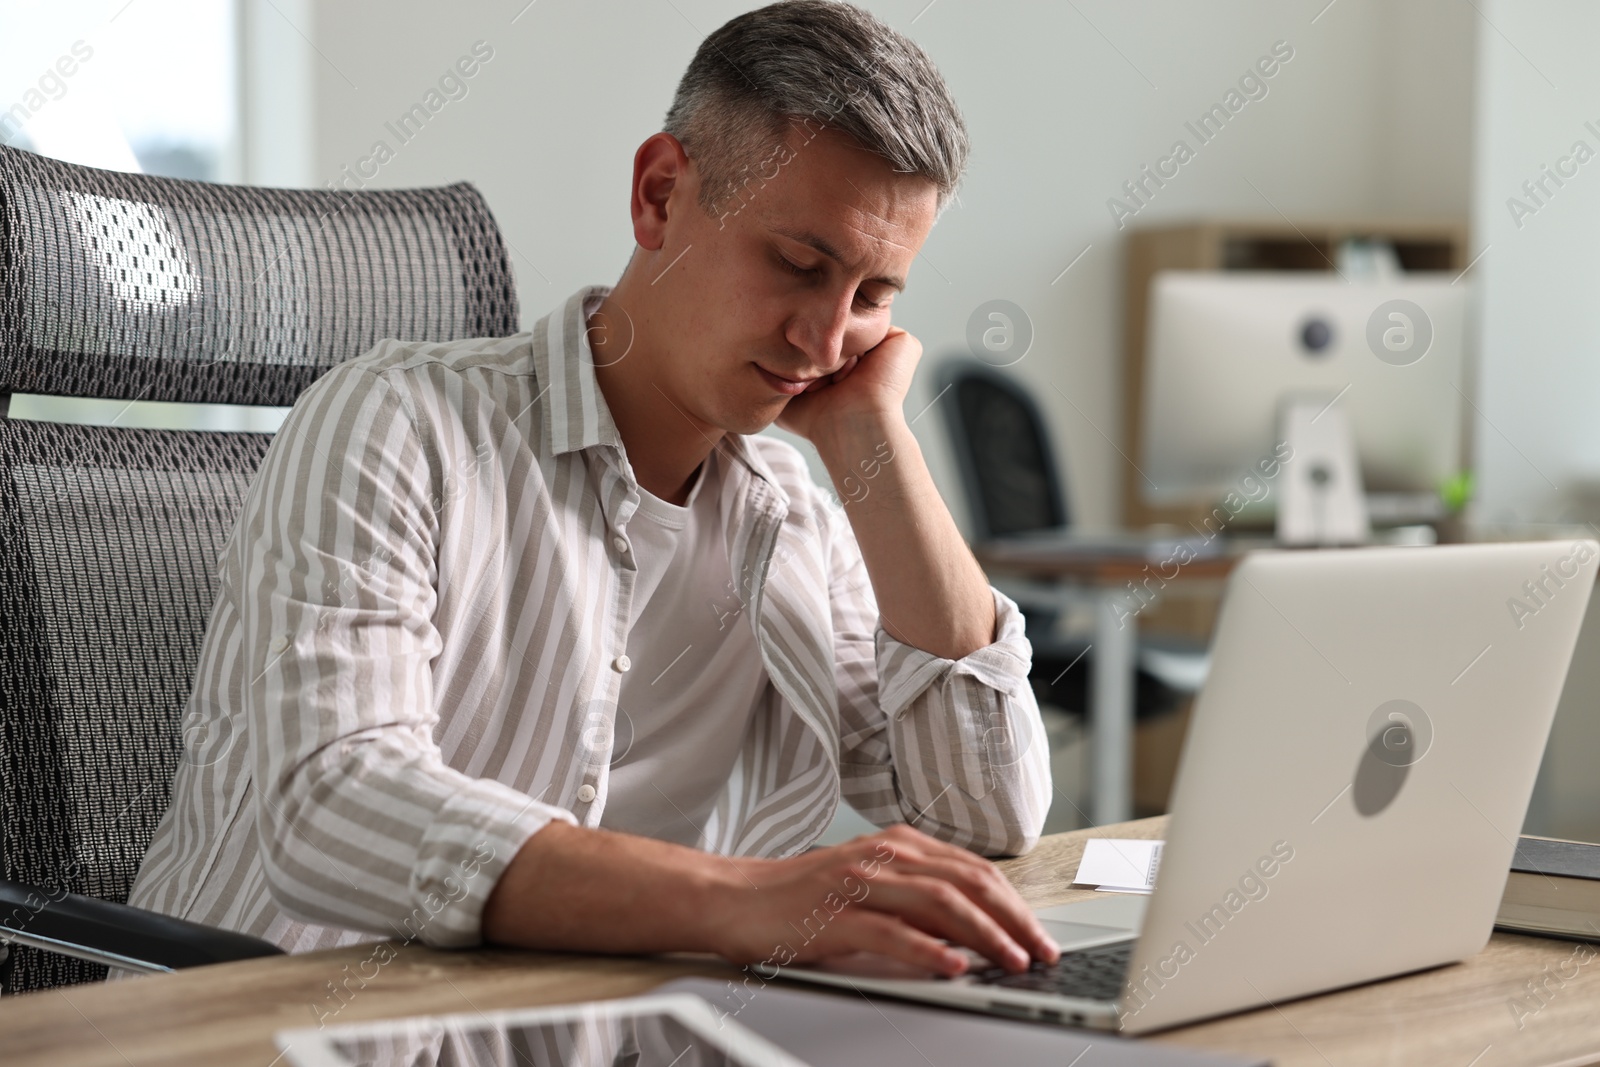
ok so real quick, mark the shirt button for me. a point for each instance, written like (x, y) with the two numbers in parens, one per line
(279, 643)
(620, 544)
(621, 664)
(586, 792)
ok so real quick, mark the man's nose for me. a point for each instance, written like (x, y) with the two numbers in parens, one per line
(819, 331)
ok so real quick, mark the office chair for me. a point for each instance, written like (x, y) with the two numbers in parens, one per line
(1008, 471)
(127, 287)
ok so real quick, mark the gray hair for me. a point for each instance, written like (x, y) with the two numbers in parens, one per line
(815, 64)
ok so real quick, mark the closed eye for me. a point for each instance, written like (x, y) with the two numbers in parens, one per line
(814, 272)
(796, 269)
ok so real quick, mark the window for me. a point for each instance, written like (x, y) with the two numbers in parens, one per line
(134, 85)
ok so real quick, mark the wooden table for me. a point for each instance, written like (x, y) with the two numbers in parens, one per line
(1457, 1016)
(1109, 580)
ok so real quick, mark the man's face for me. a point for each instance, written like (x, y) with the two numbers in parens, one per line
(790, 277)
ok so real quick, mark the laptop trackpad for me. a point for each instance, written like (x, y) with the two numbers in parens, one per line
(1093, 922)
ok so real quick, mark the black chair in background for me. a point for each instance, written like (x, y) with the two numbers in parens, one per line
(1008, 471)
(126, 287)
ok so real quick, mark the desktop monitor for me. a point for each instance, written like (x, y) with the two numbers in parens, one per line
(1227, 351)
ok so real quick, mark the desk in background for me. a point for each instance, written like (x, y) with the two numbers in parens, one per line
(1114, 661)
(1457, 1016)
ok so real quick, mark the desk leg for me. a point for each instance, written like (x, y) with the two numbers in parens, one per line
(1113, 674)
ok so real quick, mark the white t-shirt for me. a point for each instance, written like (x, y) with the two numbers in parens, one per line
(696, 671)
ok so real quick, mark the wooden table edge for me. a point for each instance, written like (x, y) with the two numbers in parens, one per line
(231, 1012)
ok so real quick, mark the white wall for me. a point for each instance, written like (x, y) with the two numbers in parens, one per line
(277, 108)
(1538, 438)
(1370, 117)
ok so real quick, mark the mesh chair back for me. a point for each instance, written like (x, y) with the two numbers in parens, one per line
(1003, 453)
(108, 543)
(131, 287)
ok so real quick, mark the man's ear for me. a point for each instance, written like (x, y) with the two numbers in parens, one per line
(660, 167)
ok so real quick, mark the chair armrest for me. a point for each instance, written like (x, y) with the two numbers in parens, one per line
(119, 935)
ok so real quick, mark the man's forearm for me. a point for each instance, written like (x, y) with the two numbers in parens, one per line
(931, 592)
(577, 889)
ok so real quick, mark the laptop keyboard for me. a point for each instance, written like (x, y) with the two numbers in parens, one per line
(1092, 973)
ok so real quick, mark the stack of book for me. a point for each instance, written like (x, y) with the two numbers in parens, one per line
(1553, 889)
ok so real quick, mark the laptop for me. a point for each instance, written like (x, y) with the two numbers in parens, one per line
(1356, 774)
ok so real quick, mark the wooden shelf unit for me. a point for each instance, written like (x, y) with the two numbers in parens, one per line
(1244, 245)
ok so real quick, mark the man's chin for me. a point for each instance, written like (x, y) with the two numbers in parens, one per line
(753, 419)
(751, 426)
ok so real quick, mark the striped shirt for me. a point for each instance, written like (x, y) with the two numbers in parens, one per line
(414, 659)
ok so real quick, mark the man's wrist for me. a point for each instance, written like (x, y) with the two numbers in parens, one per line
(860, 437)
(720, 896)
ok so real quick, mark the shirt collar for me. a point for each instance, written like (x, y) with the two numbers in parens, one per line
(575, 411)
(739, 447)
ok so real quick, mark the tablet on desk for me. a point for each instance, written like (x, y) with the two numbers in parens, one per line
(663, 1030)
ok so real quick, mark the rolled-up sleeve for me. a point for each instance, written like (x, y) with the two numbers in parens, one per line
(954, 747)
(361, 823)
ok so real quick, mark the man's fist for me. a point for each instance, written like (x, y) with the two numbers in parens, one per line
(872, 385)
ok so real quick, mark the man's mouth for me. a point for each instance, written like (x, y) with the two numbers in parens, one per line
(786, 386)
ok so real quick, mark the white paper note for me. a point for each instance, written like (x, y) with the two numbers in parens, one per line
(1120, 865)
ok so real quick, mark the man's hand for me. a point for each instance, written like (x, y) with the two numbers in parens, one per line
(868, 387)
(896, 892)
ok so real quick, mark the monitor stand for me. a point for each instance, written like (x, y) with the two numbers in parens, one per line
(1322, 501)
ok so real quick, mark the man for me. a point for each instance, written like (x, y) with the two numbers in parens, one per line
(525, 641)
